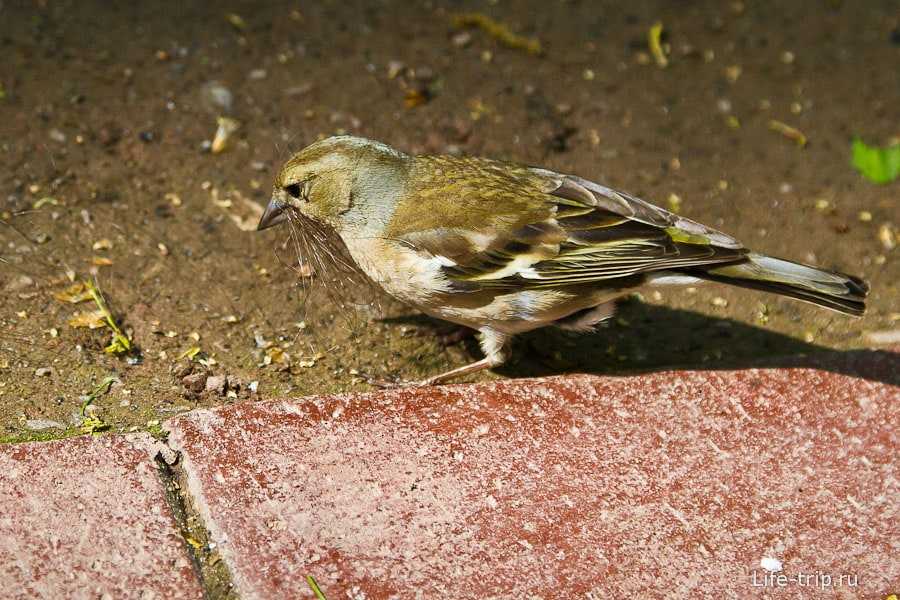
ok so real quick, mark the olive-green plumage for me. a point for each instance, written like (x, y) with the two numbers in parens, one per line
(504, 248)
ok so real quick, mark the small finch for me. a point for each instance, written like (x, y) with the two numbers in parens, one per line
(503, 248)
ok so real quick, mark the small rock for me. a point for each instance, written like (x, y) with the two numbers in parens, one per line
(887, 236)
(57, 136)
(19, 283)
(461, 39)
(257, 74)
(773, 565)
(216, 384)
(182, 369)
(43, 372)
(217, 97)
(195, 382)
(298, 90)
(394, 68)
(41, 424)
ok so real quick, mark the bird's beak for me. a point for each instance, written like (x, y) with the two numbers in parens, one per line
(273, 215)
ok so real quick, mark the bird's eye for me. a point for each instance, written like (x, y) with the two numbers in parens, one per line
(295, 190)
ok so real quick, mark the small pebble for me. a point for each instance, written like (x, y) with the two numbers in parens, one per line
(733, 73)
(770, 564)
(195, 382)
(19, 283)
(216, 384)
(41, 424)
(461, 39)
(298, 90)
(43, 372)
(887, 236)
(394, 68)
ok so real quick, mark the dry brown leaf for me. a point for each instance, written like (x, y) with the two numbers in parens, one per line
(75, 293)
(91, 319)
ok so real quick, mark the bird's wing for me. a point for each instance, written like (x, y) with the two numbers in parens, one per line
(575, 232)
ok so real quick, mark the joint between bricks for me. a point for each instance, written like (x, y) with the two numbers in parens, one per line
(211, 570)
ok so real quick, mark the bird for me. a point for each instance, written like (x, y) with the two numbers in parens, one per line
(504, 248)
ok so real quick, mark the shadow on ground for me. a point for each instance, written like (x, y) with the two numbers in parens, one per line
(643, 338)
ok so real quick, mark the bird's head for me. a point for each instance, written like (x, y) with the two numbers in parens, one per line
(332, 181)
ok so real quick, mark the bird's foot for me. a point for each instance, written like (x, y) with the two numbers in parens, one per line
(393, 383)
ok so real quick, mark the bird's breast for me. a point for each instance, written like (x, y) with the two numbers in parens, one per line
(402, 272)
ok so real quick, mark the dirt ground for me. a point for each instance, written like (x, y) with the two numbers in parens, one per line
(105, 108)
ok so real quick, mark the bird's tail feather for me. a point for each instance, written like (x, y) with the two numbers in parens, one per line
(830, 289)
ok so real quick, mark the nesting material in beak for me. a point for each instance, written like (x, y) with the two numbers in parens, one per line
(273, 215)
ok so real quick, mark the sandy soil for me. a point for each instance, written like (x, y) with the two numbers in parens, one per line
(104, 114)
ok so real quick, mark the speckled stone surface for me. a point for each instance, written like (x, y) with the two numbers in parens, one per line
(673, 484)
(87, 518)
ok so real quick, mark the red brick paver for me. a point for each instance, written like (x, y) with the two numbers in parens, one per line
(87, 518)
(671, 485)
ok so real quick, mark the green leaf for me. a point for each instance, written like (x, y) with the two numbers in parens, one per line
(879, 165)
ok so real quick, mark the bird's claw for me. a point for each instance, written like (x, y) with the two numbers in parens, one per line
(389, 384)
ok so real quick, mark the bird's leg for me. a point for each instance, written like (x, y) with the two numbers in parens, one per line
(493, 344)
